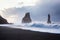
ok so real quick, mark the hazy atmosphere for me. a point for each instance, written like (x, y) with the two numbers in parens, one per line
(29, 19)
(14, 10)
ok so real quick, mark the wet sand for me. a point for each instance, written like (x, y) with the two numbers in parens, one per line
(20, 34)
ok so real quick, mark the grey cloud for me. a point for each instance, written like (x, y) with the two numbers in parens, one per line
(40, 11)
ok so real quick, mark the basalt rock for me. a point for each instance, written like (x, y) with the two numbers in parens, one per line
(26, 18)
(3, 21)
(49, 21)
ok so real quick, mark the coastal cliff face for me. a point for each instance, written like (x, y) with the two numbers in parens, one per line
(3, 21)
(26, 18)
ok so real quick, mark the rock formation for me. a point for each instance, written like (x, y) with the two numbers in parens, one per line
(26, 18)
(3, 21)
(49, 21)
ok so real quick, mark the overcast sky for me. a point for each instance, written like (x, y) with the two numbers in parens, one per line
(14, 10)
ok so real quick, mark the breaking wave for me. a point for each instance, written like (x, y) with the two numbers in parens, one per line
(41, 25)
(36, 26)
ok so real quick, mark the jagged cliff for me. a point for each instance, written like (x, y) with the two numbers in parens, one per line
(2, 20)
(26, 18)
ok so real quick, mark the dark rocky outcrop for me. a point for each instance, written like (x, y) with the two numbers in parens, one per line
(3, 21)
(49, 21)
(26, 18)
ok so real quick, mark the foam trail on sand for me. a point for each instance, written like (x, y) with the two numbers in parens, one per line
(36, 26)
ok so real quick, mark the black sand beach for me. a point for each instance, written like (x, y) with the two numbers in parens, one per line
(19, 34)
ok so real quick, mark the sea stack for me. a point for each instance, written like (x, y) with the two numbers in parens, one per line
(26, 18)
(49, 21)
(2, 20)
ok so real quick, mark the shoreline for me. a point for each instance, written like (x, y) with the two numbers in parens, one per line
(20, 34)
